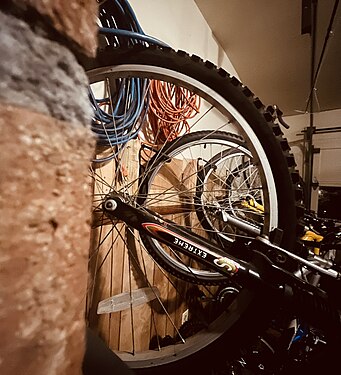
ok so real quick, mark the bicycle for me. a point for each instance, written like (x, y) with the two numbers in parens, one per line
(196, 202)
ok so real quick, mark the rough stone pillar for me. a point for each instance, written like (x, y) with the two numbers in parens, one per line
(45, 150)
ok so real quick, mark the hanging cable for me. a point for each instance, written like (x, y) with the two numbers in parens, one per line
(126, 103)
(120, 25)
(170, 109)
(120, 111)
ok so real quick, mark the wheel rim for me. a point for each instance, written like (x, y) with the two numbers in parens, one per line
(184, 160)
(233, 121)
(104, 232)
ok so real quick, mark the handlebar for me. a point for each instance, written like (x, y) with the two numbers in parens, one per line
(277, 113)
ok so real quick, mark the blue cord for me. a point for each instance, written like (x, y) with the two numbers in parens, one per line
(131, 100)
(132, 35)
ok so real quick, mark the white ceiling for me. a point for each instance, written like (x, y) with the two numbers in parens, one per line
(263, 40)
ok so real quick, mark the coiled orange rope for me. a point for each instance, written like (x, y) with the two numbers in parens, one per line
(170, 108)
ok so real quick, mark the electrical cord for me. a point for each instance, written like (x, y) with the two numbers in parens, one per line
(170, 109)
(120, 115)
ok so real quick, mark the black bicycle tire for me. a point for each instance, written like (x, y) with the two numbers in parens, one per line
(268, 133)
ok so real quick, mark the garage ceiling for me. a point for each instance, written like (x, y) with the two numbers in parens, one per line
(264, 43)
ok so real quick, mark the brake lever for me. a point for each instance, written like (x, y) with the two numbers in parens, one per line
(278, 114)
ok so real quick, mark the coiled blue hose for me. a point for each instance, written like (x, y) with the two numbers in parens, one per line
(128, 105)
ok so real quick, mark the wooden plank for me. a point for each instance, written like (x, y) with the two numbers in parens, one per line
(160, 322)
(144, 313)
(133, 328)
(101, 258)
(122, 271)
(116, 277)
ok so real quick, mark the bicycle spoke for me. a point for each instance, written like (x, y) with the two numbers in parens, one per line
(214, 181)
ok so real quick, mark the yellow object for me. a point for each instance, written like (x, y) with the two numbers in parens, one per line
(252, 204)
(309, 235)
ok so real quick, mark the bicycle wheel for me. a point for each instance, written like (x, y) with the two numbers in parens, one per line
(233, 206)
(119, 264)
(200, 182)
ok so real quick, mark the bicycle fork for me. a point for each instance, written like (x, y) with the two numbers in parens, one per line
(260, 274)
(178, 239)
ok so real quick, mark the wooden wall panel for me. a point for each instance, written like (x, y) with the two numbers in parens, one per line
(123, 270)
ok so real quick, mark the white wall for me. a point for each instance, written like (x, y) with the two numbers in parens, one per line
(180, 24)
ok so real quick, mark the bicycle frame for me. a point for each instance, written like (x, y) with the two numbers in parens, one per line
(186, 242)
(205, 251)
